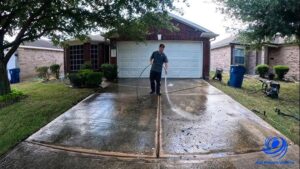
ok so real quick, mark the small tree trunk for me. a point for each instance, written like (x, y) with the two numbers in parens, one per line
(4, 82)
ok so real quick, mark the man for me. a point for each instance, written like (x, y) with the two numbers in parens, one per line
(157, 59)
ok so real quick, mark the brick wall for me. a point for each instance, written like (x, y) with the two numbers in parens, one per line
(251, 60)
(220, 58)
(286, 55)
(31, 58)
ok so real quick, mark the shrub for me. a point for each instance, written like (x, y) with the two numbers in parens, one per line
(93, 79)
(55, 68)
(86, 78)
(43, 72)
(262, 70)
(75, 79)
(11, 98)
(281, 70)
(110, 71)
(84, 72)
(86, 66)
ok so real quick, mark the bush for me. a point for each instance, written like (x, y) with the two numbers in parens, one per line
(43, 72)
(11, 98)
(281, 70)
(86, 66)
(84, 72)
(262, 70)
(93, 79)
(86, 78)
(55, 68)
(110, 71)
(76, 80)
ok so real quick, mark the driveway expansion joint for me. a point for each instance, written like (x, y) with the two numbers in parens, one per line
(182, 157)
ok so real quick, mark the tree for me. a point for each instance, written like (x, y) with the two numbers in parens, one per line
(28, 20)
(264, 18)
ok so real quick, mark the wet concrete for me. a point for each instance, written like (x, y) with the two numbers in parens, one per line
(207, 121)
(112, 122)
(197, 127)
(30, 156)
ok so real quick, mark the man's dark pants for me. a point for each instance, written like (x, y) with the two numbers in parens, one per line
(155, 76)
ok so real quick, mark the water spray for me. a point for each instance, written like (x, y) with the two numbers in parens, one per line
(174, 108)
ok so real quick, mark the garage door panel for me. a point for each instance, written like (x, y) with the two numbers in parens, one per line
(132, 72)
(186, 62)
(185, 58)
(128, 65)
(135, 56)
(182, 74)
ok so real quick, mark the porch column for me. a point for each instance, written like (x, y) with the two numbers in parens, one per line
(264, 55)
(66, 60)
(206, 58)
(113, 52)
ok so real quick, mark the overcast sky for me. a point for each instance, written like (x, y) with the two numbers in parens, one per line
(205, 14)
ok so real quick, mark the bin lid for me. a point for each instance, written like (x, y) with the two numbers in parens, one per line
(14, 70)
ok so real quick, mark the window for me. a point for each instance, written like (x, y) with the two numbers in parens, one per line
(95, 56)
(239, 56)
(76, 57)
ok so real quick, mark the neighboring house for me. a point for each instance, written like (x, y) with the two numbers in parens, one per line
(231, 52)
(188, 51)
(35, 54)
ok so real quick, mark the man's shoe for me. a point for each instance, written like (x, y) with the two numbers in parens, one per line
(151, 92)
(158, 94)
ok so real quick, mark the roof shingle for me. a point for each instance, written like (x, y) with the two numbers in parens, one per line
(225, 42)
(40, 44)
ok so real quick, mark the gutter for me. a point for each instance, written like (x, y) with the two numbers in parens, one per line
(41, 48)
(209, 35)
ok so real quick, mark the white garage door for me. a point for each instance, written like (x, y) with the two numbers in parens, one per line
(185, 58)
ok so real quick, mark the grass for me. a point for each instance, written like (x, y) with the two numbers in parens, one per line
(251, 96)
(44, 102)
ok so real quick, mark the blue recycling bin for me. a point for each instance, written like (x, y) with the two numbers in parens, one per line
(14, 75)
(236, 76)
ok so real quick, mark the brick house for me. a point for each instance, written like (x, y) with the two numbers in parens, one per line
(34, 54)
(94, 51)
(231, 52)
(188, 51)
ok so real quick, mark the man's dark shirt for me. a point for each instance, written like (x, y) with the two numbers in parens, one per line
(158, 60)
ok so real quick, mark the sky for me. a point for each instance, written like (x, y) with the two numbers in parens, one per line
(205, 14)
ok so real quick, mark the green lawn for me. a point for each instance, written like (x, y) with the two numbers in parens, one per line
(44, 102)
(251, 97)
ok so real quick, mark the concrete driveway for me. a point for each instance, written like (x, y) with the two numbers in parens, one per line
(194, 126)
